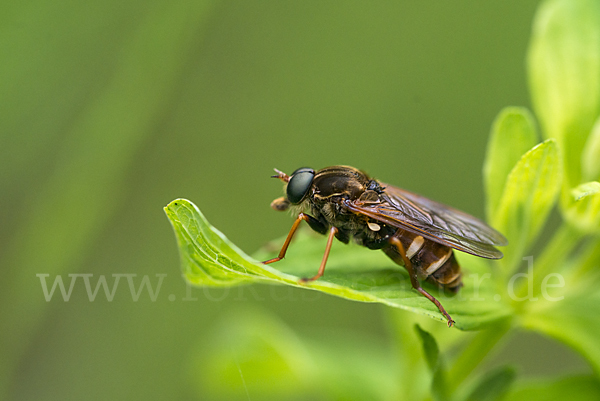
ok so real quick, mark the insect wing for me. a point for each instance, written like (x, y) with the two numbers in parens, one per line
(432, 220)
(450, 219)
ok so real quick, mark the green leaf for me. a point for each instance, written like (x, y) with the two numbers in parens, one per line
(584, 211)
(493, 385)
(564, 76)
(513, 134)
(580, 388)
(435, 363)
(430, 348)
(572, 316)
(528, 197)
(353, 272)
(415, 378)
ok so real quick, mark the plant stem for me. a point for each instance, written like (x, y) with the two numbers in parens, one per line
(410, 357)
(554, 254)
(587, 260)
(475, 352)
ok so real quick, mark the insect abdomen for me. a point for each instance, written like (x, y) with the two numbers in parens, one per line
(434, 262)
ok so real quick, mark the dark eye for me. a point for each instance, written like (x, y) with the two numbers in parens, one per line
(303, 170)
(299, 184)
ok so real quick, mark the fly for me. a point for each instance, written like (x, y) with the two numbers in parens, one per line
(415, 232)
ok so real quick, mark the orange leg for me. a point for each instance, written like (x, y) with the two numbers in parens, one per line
(332, 232)
(415, 283)
(284, 248)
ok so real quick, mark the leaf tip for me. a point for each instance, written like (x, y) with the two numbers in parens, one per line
(177, 202)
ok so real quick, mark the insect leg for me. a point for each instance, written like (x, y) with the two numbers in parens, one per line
(413, 279)
(332, 232)
(284, 248)
(316, 225)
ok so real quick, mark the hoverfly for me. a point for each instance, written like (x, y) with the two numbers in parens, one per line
(415, 232)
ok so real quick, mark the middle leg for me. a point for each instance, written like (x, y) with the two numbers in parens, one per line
(332, 232)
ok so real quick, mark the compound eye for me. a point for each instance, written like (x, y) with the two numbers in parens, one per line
(299, 184)
(303, 170)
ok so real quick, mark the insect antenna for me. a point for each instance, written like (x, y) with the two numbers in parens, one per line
(281, 175)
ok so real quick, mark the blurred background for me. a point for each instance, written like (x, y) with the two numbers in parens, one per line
(111, 109)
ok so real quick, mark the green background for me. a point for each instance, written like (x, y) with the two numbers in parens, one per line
(112, 109)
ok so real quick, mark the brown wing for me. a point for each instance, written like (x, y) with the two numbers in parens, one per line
(432, 220)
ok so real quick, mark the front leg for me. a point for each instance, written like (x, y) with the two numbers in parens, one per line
(312, 222)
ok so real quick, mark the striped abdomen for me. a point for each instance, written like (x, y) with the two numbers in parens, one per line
(432, 261)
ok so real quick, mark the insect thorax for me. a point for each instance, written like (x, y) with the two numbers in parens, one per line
(359, 228)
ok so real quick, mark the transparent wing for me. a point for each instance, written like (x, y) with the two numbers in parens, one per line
(432, 220)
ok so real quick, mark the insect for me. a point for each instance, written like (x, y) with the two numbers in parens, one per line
(415, 232)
